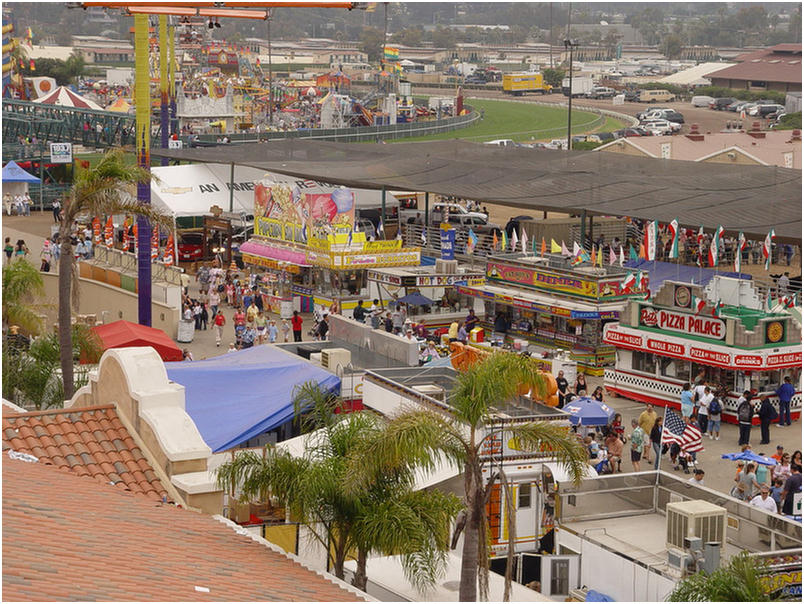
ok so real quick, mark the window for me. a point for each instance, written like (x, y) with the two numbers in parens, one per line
(643, 361)
(524, 495)
(559, 577)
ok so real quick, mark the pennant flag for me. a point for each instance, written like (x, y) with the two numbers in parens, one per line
(154, 242)
(700, 236)
(108, 233)
(398, 235)
(524, 242)
(791, 301)
(738, 253)
(125, 235)
(471, 242)
(612, 256)
(641, 281)
(544, 246)
(33, 65)
(555, 248)
(698, 304)
(169, 258)
(594, 255)
(622, 257)
(767, 248)
(533, 246)
(96, 231)
(632, 255)
(494, 241)
(600, 257)
(504, 241)
(716, 309)
(134, 232)
(381, 229)
(651, 240)
(514, 240)
(424, 236)
(391, 53)
(564, 250)
(629, 282)
(576, 249)
(768, 302)
(673, 226)
(714, 245)
(643, 252)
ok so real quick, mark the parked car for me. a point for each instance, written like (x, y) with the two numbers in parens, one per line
(601, 92)
(668, 114)
(601, 137)
(478, 225)
(765, 110)
(655, 111)
(629, 132)
(632, 96)
(661, 127)
(656, 96)
(701, 101)
(191, 246)
(720, 104)
(733, 106)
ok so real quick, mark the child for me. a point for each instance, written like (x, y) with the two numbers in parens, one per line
(285, 330)
(272, 331)
(776, 492)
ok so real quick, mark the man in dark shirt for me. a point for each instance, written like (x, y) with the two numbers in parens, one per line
(562, 384)
(791, 486)
(471, 320)
(359, 312)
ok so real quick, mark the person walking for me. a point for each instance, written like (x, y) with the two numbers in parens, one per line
(766, 415)
(219, 323)
(296, 321)
(56, 210)
(637, 443)
(745, 414)
(8, 250)
(785, 394)
(656, 441)
(359, 313)
(686, 400)
(646, 421)
(285, 330)
(703, 409)
(746, 483)
(273, 332)
(562, 391)
(214, 300)
(713, 415)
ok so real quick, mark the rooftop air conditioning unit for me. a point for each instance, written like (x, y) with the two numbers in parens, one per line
(335, 359)
(433, 391)
(695, 518)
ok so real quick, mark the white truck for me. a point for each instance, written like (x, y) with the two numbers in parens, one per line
(580, 85)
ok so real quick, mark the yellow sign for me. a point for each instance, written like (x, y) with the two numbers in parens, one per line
(382, 246)
(270, 263)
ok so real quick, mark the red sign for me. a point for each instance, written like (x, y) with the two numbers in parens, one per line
(789, 359)
(708, 327)
(666, 347)
(700, 354)
(747, 360)
(616, 337)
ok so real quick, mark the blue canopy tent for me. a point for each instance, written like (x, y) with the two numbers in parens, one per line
(659, 272)
(238, 395)
(13, 173)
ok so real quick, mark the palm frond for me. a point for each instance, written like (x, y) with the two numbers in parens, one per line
(546, 436)
(22, 285)
(741, 580)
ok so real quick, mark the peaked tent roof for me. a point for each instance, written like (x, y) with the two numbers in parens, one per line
(67, 98)
(752, 199)
(13, 173)
(123, 334)
(238, 395)
(119, 106)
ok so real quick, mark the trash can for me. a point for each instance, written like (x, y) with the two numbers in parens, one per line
(186, 330)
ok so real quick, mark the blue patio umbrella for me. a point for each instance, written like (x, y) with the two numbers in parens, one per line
(750, 456)
(415, 299)
(586, 411)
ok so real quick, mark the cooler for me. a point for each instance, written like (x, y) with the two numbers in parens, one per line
(477, 335)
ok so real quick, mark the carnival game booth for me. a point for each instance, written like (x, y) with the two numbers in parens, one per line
(548, 302)
(311, 254)
(663, 343)
(437, 286)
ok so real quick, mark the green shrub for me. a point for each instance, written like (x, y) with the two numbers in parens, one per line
(743, 95)
(791, 121)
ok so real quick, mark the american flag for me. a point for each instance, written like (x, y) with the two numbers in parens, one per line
(687, 436)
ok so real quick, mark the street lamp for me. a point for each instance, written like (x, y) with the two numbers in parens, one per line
(570, 45)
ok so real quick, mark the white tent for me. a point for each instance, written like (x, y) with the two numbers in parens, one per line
(192, 189)
(67, 98)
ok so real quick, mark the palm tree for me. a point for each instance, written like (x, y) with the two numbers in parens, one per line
(425, 437)
(100, 191)
(385, 517)
(22, 284)
(739, 581)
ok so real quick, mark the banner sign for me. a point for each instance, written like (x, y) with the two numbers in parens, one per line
(694, 325)
(448, 244)
(61, 153)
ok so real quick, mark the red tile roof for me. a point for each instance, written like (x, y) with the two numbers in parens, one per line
(69, 538)
(780, 63)
(91, 441)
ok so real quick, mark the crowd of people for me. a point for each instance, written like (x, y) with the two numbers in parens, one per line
(19, 204)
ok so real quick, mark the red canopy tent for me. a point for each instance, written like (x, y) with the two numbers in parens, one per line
(123, 334)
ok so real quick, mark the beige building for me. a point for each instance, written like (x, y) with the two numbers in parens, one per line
(765, 148)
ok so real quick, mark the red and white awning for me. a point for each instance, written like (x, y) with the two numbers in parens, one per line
(706, 354)
(67, 98)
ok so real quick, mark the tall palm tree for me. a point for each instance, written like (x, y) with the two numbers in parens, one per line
(105, 189)
(386, 516)
(22, 284)
(426, 437)
(739, 581)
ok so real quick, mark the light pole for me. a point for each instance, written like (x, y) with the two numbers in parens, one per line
(569, 45)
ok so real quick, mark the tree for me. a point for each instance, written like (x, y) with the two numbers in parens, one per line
(554, 77)
(371, 43)
(64, 72)
(426, 437)
(22, 284)
(739, 581)
(410, 36)
(103, 190)
(443, 37)
(386, 516)
(671, 46)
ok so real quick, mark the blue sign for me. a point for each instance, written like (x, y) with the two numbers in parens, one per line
(448, 244)
(583, 314)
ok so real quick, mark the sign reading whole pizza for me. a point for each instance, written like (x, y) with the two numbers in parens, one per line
(694, 325)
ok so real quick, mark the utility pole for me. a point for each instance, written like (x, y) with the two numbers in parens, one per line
(569, 44)
(270, 76)
(550, 37)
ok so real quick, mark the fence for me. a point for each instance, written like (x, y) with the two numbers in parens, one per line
(127, 261)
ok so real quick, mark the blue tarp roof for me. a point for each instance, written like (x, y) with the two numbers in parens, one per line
(238, 395)
(13, 173)
(659, 272)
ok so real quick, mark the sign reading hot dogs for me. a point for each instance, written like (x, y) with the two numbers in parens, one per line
(708, 327)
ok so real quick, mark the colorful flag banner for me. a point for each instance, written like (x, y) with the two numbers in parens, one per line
(716, 309)
(504, 241)
(767, 248)
(594, 255)
(471, 242)
(108, 233)
(673, 227)
(96, 231)
(612, 256)
(700, 236)
(564, 250)
(494, 241)
(714, 246)
(170, 257)
(524, 242)
(698, 304)
(544, 246)
(628, 282)
(651, 239)
(555, 248)
(514, 240)
(154, 242)
(685, 435)
(738, 254)
(622, 257)
(632, 255)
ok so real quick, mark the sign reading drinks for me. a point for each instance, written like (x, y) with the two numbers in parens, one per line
(694, 325)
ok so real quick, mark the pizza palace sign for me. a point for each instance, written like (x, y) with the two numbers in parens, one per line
(694, 325)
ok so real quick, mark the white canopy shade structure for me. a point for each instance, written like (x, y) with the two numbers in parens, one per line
(67, 98)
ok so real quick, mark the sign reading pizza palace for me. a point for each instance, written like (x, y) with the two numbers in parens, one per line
(694, 325)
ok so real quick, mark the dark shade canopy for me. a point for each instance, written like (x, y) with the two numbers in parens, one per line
(415, 299)
(753, 199)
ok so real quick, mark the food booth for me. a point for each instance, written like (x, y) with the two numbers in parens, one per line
(663, 343)
(548, 302)
(309, 252)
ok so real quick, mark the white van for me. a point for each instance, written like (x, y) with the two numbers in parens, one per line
(655, 96)
(702, 101)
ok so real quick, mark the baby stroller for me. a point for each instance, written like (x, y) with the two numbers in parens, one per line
(239, 329)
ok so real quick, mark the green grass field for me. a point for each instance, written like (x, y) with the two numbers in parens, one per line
(523, 123)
